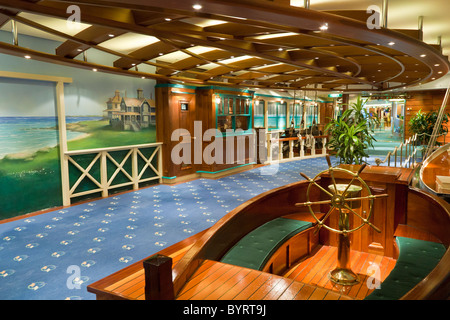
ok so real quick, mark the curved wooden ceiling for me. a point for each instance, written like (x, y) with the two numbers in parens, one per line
(244, 43)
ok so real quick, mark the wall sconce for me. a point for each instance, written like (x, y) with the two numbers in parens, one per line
(218, 100)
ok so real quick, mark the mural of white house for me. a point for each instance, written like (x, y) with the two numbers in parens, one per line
(130, 113)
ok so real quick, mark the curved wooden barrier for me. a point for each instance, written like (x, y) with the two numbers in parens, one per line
(436, 221)
(236, 224)
(420, 211)
(409, 213)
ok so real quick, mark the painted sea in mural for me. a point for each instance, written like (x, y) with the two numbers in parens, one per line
(24, 135)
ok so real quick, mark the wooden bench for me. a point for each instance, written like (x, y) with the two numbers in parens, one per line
(417, 258)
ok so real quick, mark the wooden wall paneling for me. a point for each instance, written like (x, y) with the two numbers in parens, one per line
(420, 202)
(163, 126)
(169, 118)
(425, 101)
(205, 114)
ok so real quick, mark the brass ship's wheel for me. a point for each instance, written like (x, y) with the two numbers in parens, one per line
(344, 199)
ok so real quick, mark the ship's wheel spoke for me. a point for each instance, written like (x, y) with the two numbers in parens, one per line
(321, 223)
(316, 184)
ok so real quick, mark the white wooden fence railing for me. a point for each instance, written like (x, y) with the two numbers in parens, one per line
(275, 147)
(106, 182)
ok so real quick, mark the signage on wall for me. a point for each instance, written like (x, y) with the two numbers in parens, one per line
(335, 95)
(184, 106)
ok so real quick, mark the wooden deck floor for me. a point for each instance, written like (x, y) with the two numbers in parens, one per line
(219, 281)
(308, 280)
(314, 270)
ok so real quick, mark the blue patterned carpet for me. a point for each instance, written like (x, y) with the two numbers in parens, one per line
(54, 256)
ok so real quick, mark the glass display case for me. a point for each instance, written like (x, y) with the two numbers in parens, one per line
(233, 112)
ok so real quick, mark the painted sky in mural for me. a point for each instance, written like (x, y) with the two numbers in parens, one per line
(29, 157)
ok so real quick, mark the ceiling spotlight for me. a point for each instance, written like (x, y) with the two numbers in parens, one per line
(79, 50)
(197, 6)
(167, 19)
(160, 53)
(95, 70)
(324, 27)
(110, 35)
(27, 57)
(280, 49)
(437, 65)
(423, 55)
(391, 43)
(142, 77)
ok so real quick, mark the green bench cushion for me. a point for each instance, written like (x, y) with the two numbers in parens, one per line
(254, 250)
(416, 260)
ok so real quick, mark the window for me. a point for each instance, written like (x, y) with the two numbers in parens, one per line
(233, 112)
(296, 114)
(277, 114)
(258, 114)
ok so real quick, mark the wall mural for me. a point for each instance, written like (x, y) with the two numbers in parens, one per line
(102, 110)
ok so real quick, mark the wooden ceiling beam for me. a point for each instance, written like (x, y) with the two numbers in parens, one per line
(93, 35)
(256, 16)
(100, 20)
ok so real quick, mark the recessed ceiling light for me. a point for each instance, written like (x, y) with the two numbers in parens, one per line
(197, 6)
(280, 49)
(423, 55)
(79, 50)
(324, 27)
(142, 77)
(437, 65)
(110, 35)
(160, 53)
(440, 72)
(95, 70)
(391, 43)
(167, 19)
(27, 57)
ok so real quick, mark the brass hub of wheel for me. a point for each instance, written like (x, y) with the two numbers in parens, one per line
(338, 201)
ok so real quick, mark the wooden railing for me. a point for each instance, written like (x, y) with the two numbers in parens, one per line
(134, 167)
(275, 147)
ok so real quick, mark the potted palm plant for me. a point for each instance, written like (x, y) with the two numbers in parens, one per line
(423, 124)
(351, 135)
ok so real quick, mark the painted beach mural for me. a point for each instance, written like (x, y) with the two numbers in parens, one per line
(30, 176)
